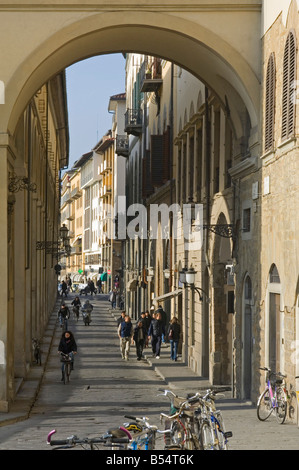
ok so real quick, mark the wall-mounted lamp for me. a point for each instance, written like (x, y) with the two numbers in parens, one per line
(166, 273)
(54, 247)
(187, 277)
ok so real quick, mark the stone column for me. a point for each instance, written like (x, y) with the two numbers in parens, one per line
(6, 341)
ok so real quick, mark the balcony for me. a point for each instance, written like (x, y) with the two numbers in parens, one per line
(76, 193)
(122, 145)
(133, 122)
(151, 76)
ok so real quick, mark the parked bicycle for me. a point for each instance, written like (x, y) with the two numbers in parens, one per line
(195, 423)
(273, 398)
(110, 440)
(210, 424)
(37, 353)
(180, 423)
(143, 434)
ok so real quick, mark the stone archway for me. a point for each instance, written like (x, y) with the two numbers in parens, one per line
(194, 45)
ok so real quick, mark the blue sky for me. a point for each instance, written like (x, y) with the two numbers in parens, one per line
(90, 83)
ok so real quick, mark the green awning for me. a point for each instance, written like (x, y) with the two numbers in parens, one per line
(104, 276)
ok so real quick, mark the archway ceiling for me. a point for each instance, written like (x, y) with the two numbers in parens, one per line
(241, 90)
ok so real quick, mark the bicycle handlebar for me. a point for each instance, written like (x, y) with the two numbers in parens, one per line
(73, 440)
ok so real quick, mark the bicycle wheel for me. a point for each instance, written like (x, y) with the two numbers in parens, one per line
(222, 440)
(282, 406)
(206, 436)
(177, 434)
(68, 371)
(264, 406)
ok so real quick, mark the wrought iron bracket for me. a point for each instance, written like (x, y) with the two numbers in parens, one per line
(20, 183)
(47, 245)
(223, 230)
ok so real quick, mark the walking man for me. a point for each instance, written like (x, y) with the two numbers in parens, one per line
(155, 332)
(125, 333)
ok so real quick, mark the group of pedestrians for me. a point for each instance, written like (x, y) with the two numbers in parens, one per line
(148, 328)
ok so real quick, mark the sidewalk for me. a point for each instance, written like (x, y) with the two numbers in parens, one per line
(176, 374)
(29, 388)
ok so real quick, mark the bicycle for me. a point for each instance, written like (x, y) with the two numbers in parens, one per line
(143, 435)
(181, 431)
(273, 398)
(66, 368)
(76, 313)
(63, 322)
(210, 424)
(110, 440)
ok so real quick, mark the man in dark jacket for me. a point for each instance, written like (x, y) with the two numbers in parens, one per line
(163, 318)
(125, 333)
(155, 332)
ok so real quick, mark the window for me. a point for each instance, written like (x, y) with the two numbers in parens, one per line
(270, 104)
(246, 220)
(289, 77)
(274, 275)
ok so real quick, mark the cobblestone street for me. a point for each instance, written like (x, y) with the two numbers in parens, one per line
(104, 388)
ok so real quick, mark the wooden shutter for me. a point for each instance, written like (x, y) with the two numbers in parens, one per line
(157, 160)
(270, 104)
(289, 77)
(166, 155)
(147, 188)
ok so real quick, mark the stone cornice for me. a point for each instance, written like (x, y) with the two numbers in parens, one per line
(78, 5)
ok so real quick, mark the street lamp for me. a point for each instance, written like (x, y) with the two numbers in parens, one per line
(187, 277)
(166, 273)
(182, 275)
(63, 231)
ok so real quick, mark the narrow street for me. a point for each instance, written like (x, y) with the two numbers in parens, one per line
(104, 388)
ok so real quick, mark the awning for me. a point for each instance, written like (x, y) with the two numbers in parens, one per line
(168, 296)
(104, 276)
(77, 240)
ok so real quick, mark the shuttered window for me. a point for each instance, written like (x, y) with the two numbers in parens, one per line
(288, 91)
(270, 104)
(160, 158)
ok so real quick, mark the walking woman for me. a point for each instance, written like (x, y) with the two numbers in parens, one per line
(174, 332)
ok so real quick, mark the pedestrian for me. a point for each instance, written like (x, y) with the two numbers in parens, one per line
(64, 288)
(139, 337)
(67, 345)
(147, 319)
(164, 320)
(69, 284)
(155, 332)
(63, 315)
(91, 286)
(174, 332)
(99, 286)
(125, 333)
(121, 318)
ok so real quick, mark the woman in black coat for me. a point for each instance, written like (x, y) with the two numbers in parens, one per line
(67, 345)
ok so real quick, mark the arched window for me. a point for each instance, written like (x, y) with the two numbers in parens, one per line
(274, 275)
(288, 90)
(270, 104)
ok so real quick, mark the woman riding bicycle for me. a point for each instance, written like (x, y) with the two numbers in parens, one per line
(68, 346)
